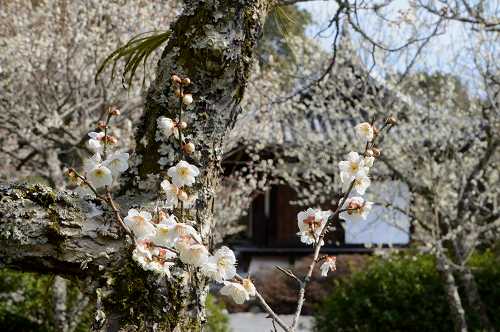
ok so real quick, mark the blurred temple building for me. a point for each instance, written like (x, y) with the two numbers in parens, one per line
(316, 117)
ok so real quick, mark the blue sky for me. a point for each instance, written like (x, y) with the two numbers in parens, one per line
(442, 53)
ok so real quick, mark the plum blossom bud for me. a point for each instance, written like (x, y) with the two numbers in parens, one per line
(182, 195)
(249, 286)
(162, 216)
(176, 79)
(178, 92)
(189, 148)
(183, 125)
(353, 205)
(376, 152)
(101, 125)
(369, 153)
(328, 265)
(391, 120)
(110, 139)
(187, 99)
(186, 81)
(376, 131)
(114, 111)
(71, 173)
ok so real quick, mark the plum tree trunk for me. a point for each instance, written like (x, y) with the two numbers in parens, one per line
(452, 295)
(212, 43)
(470, 289)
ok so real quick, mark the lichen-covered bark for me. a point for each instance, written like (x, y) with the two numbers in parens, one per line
(469, 285)
(452, 295)
(212, 43)
(44, 231)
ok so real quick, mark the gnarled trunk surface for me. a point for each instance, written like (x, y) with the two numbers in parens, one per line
(452, 295)
(212, 43)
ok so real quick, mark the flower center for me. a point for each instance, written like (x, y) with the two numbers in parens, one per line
(312, 222)
(138, 219)
(222, 263)
(183, 171)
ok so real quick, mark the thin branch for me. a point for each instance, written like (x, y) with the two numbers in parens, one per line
(289, 273)
(267, 308)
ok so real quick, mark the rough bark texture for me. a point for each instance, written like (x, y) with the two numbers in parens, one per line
(49, 232)
(452, 295)
(59, 299)
(212, 43)
(470, 287)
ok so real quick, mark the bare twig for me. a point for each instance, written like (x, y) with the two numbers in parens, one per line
(289, 273)
(267, 308)
(109, 199)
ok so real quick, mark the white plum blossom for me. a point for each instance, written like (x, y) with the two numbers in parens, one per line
(140, 223)
(171, 193)
(158, 266)
(365, 131)
(189, 200)
(167, 126)
(351, 167)
(182, 231)
(330, 264)
(141, 257)
(165, 219)
(220, 266)
(193, 254)
(311, 222)
(183, 174)
(154, 259)
(357, 209)
(117, 163)
(95, 141)
(164, 235)
(361, 183)
(97, 173)
(235, 291)
(145, 249)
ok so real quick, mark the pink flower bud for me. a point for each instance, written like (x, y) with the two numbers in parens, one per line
(189, 148)
(176, 79)
(183, 196)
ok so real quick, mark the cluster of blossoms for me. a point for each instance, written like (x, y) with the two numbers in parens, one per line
(354, 177)
(163, 239)
(102, 168)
